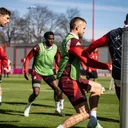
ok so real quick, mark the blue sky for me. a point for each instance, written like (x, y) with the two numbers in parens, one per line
(109, 14)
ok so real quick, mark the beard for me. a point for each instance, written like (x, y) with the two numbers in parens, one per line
(80, 35)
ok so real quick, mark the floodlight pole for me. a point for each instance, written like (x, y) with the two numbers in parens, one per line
(124, 82)
(93, 17)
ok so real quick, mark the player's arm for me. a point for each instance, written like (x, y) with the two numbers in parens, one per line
(79, 52)
(84, 66)
(57, 61)
(4, 59)
(103, 41)
(31, 54)
(57, 57)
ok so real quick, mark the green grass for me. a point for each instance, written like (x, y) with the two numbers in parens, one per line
(15, 95)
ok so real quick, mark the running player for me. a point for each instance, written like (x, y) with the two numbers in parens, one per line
(44, 54)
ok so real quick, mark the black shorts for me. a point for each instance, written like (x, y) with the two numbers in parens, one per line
(37, 78)
(92, 74)
(116, 73)
(74, 90)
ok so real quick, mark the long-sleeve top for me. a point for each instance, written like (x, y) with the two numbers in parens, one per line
(113, 40)
(3, 59)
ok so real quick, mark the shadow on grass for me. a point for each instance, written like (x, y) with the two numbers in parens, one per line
(8, 126)
(78, 127)
(11, 112)
(20, 113)
(108, 119)
(22, 103)
(14, 126)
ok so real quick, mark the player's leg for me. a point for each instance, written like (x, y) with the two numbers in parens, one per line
(36, 81)
(62, 101)
(58, 97)
(31, 98)
(75, 96)
(53, 83)
(80, 116)
(117, 88)
(7, 74)
(95, 91)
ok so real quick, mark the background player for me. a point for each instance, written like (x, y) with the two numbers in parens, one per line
(44, 54)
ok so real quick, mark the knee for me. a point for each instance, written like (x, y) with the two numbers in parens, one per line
(85, 115)
(57, 91)
(99, 88)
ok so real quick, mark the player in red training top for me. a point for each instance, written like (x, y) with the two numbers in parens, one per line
(4, 64)
(4, 19)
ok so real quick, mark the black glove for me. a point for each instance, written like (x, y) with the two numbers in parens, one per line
(26, 76)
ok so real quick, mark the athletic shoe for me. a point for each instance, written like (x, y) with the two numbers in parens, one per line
(59, 113)
(103, 90)
(61, 107)
(26, 111)
(92, 122)
(0, 103)
(98, 125)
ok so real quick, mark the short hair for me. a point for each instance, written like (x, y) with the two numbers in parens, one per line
(4, 11)
(126, 20)
(74, 20)
(46, 34)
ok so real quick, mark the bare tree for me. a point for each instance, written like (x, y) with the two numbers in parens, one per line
(38, 20)
(2, 38)
(63, 22)
(11, 29)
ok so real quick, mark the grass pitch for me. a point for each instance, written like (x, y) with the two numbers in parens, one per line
(15, 95)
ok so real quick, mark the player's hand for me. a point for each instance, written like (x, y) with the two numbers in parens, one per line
(89, 70)
(26, 76)
(6, 70)
(109, 66)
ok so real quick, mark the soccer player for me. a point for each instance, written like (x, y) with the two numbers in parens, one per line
(113, 39)
(4, 19)
(44, 54)
(70, 82)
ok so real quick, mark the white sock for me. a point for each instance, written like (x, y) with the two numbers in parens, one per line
(93, 113)
(0, 98)
(57, 106)
(60, 126)
(62, 104)
(28, 104)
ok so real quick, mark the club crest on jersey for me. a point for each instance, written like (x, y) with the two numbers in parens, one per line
(117, 38)
(78, 43)
(34, 77)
